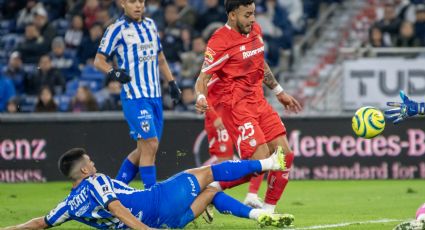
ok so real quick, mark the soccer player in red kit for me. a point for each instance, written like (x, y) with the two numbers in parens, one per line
(220, 144)
(235, 54)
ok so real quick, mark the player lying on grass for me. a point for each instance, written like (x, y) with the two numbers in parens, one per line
(102, 202)
(407, 108)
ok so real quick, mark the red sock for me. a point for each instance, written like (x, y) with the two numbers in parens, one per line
(255, 183)
(277, 181)
(230, 184)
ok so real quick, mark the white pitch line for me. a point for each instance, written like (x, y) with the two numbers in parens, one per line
(348, 224)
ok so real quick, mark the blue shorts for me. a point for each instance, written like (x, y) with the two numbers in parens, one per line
(144, 117)
(176, 196)
(166, 204)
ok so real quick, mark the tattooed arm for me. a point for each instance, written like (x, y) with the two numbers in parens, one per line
(269, 79)
(289, 102)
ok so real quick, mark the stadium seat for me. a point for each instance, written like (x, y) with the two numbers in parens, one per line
(7, 26)
(100, 98)
(71, 87)
(61, 26)
(30, 68)
(8, 43)
(93, 85)
(91, 73)
(27, 103)
(63, 102)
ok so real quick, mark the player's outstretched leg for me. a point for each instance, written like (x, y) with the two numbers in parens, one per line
(252, 200)
(226, 204)
(233, 170)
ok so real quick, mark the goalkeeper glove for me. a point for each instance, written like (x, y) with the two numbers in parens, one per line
(119, 75)
(174, 91)
(407, 108)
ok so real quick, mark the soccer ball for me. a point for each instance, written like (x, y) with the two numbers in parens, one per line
(368, 122)
(420, 213)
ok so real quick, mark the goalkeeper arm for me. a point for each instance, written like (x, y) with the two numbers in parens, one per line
(406, 108)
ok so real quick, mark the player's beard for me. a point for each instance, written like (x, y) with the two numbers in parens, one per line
(242, 28)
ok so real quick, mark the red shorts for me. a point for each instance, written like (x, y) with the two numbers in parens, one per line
(219, 142)
(251, 125)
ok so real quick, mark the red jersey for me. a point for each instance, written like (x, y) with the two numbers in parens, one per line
(238, 60)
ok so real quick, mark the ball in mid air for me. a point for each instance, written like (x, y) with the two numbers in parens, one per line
(368, 122)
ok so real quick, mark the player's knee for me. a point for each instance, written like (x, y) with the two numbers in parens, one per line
(262, 152)
(153, 143)
(134, 156)
(212, 190)
(209, 172)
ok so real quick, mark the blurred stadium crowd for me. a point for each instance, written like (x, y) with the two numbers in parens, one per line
(47, 47)
(395, 23)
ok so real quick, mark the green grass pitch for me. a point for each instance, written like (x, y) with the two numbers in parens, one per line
(315, 204)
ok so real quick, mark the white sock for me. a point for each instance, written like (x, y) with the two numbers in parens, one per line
(251, 196)
(269, 207)
(255, 213)
(267, 164)
(216, 185)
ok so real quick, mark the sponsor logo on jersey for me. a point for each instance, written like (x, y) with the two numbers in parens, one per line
(79, 199)
(145, 126)
(146, 46)
(147, 58)
(192, 184)
(144, 115)
(105, 188)
(248, 54)
(242, 48)
(82, 210)
(209, 55)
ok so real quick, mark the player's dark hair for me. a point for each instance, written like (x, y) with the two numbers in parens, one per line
(68, 160)
(231, 5)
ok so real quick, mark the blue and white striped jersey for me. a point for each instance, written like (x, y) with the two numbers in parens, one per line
(136, 46)
(88, 203)
(164, 205)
